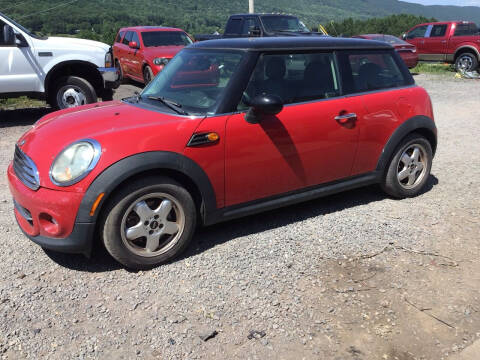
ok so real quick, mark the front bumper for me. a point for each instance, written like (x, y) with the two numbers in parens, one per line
(47, 217)
(111, 77)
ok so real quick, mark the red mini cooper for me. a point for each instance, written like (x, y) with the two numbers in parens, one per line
(141, 52)
(229, 128)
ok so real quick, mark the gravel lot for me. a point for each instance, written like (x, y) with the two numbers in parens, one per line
(352, 276)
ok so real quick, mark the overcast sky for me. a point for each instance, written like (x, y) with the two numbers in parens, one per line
(447, 2)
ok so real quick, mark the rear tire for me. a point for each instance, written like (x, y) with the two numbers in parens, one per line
(148, 222)
(147, 75)
(72, 91)
(121, 78)
(466, 62)
(409, 169)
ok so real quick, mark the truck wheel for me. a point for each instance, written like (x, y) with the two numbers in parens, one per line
(71, 91)
(149, 222)
(466, 62)
(409, 169)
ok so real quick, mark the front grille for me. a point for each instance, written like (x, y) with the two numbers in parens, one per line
(25, 169)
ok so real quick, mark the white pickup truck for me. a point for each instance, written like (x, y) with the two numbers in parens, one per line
(66, 72)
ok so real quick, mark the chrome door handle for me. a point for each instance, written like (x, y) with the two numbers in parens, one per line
(444, 41)
(342, 119)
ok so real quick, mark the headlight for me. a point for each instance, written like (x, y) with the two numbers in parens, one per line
(75, 162)
(161, 61)
(108, 59)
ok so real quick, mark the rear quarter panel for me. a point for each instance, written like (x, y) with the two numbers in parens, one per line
(386, 111)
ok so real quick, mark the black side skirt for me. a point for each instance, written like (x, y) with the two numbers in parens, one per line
(270, 203)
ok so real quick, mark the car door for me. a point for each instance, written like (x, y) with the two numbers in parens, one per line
(19, 70)
(311, 141)
(416, 37)
(125, 56)
(435, 45)
(136, 58)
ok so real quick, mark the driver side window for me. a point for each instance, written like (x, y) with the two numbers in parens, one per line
(294, 77)
(418, 32)
(2, 34)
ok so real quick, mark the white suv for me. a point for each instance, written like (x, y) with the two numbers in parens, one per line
(66, 72)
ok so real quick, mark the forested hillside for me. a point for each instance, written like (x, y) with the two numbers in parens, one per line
(100, 19)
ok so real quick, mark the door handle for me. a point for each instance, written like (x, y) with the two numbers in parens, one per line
(343, 119)
(444, 41)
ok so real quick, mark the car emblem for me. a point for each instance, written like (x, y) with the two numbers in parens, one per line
(21, 143)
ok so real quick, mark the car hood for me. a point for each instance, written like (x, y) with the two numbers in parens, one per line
(161, 51)
(67, 42)
(121, 128)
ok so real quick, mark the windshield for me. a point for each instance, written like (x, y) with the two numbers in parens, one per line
(194, 80)
(283, 23)
(25, 30)
(165, 38)
(389, 39)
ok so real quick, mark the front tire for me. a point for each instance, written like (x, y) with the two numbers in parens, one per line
(149, 222)
(466, 62)
(409, 169)
(72, 91)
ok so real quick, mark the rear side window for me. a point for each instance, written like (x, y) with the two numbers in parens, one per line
(127, 38)
(234, 26)
(466, 30)
(370, 71)
(439, 30)
(249, 24)
(119, 36)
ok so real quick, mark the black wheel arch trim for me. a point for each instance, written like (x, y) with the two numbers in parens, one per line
(422, 124)
(49, 81)
(128, 167)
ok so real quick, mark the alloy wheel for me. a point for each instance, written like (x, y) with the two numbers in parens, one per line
(412, 166)
(152, 224)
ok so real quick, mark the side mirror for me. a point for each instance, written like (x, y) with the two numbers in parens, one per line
(21, 41)
(263, 105)
(8, 35)
(133, 45)
(254, 31)
(404, 36)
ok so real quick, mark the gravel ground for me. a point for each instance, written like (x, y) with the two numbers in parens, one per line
(352, 276)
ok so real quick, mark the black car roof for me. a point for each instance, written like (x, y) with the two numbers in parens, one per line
(291, 43)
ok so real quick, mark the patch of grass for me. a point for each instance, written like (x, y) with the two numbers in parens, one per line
(433, 68)
(20, 103)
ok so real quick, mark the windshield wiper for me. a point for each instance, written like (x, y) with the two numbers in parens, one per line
(170, 104)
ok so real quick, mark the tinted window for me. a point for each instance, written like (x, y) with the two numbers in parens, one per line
(466, 29)
(2, 24)
(418, 32)
(294, 77)
(367, 71)
(234, 26)
(283, 23)
(127, 38)
(248, 24)
(439, 30)
(119, 36)
(165, 38)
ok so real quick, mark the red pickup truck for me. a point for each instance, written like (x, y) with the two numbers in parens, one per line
(455, 42)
